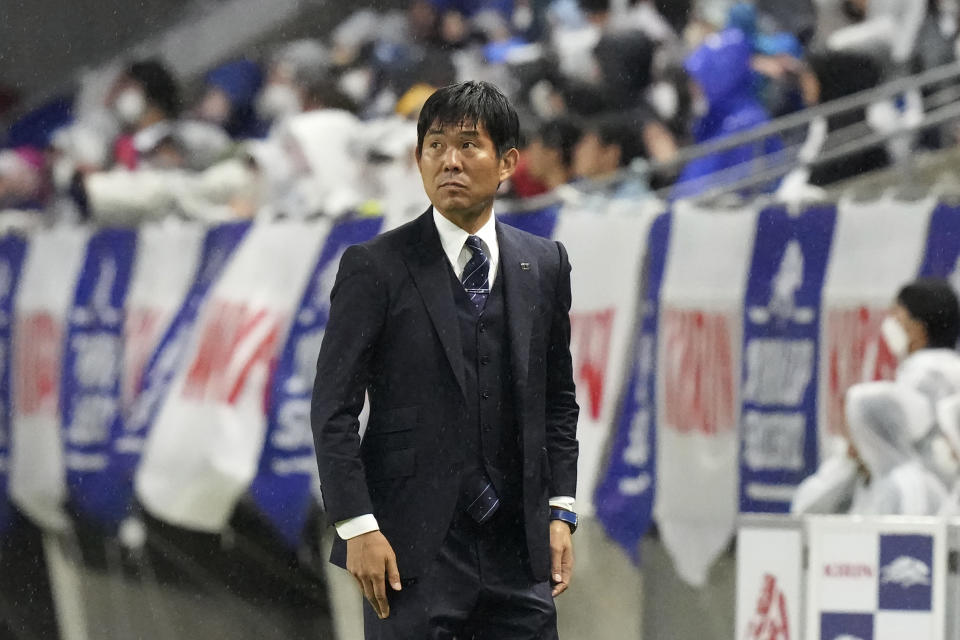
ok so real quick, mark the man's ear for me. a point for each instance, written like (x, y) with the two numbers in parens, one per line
(508, 163)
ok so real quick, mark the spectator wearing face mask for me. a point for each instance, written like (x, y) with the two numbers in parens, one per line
(292, 69)
(146, 101)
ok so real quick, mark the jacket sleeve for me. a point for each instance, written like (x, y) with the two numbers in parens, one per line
(358, 306)
(562, 409)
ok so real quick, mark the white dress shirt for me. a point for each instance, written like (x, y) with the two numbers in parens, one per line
(453, 240)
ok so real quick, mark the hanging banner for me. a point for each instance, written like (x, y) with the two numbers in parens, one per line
(877, 248)
(204, 448)
(288, 465)
(942, 256)
(165, 269)
(605, 283)
(780, 346)
(624, 496)
(91, 376)
(876, 578)
(769, 583)
(219, 244)
(698, 393)
(12, 250)
(541, 222)
(37, 483)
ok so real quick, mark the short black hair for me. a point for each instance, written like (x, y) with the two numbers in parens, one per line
(933, 303)
(561, 134)
(614, 129)
(472, 103)
(159, 85)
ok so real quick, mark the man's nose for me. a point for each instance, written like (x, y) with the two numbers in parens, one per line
(452, 160)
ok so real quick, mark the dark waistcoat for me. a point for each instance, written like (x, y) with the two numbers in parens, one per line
(491, 436)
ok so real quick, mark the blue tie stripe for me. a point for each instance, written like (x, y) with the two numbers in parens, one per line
(476, 275)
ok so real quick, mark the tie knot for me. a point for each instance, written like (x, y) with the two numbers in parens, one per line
(475, 244)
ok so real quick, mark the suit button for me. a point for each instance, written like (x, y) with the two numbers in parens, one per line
(484, 395)
(486, 428)
(483, 327)
(484, 360)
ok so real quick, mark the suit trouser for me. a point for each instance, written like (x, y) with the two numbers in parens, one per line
(478, 588)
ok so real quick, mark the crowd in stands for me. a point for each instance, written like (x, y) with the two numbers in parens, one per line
(327, 125)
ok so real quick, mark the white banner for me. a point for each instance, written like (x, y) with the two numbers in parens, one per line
(876, 579)
(167, 255)
(877, 248)
(37, 476)
(701, 319)
(605, 282)
(203, 450)
(769, 583)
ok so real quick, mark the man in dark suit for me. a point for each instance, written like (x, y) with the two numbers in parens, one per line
(460, 494)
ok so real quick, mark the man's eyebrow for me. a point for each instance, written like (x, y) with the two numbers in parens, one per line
(472, 133)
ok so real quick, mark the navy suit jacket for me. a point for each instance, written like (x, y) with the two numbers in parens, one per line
(393, 333)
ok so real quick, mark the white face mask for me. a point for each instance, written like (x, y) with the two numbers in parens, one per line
(62, 173)
(130, 106)
(896, 337)
(278, 101)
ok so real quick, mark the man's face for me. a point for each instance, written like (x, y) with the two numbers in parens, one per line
(460, 168)
(916, 332)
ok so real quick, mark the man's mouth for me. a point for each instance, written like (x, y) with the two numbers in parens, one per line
(453, 185)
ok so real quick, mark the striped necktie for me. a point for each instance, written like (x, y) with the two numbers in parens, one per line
(476, 280)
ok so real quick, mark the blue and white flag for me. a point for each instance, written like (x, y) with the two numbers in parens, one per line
(288, 465)
(942, 256)
(624, 497)
(168, 358)
(91, 370)
(778, 432)
(12, 250)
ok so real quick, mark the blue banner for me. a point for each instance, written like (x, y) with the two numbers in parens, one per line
(942, 257)
(781, 331)
(540, 222)
(624, 497)
(218, 246)
(288, 465)
(90, 383)
(12, 252)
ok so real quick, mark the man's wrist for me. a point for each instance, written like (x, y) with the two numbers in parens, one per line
(565, 516)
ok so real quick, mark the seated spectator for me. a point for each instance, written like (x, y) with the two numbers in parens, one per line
(722, 81)
(291, 69)
(146, 100)
(549, 158)
(228, 98)
(880, 417)
(830, 490)
(605, 149)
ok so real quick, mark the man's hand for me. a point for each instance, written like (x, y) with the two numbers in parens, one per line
(561, 556)
(369, 558)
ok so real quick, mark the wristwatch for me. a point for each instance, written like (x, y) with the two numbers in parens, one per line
(566, 516)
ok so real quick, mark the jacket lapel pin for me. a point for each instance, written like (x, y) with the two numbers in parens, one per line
(525, 266)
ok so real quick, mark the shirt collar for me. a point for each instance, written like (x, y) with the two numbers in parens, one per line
(452, 237)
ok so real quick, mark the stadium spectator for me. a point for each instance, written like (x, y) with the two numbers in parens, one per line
(880, 417)
(146, 101)
(549, 157)
(605, 149)
(722, 83)
(292, 68)
(228, 99)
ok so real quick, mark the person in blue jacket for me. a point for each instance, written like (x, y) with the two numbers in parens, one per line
(722, 86)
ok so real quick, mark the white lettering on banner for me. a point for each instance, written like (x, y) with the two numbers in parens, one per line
(79, 461)
(96, 364)
(774, 440)
(37, 364)
(699, 388)
(850, 336)
(235, 339)
(92, 417)
(778, 371)
(770, 622)
(100, 307)
(293, 422)
(297, 465)
(637, 451)
(591, 332)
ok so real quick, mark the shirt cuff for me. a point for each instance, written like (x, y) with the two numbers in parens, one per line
(353, 527)
(563, 502)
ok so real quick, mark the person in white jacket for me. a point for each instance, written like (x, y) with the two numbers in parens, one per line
(880, 417)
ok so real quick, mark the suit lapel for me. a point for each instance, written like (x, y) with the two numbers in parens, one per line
(520, 275)
(430, 271)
